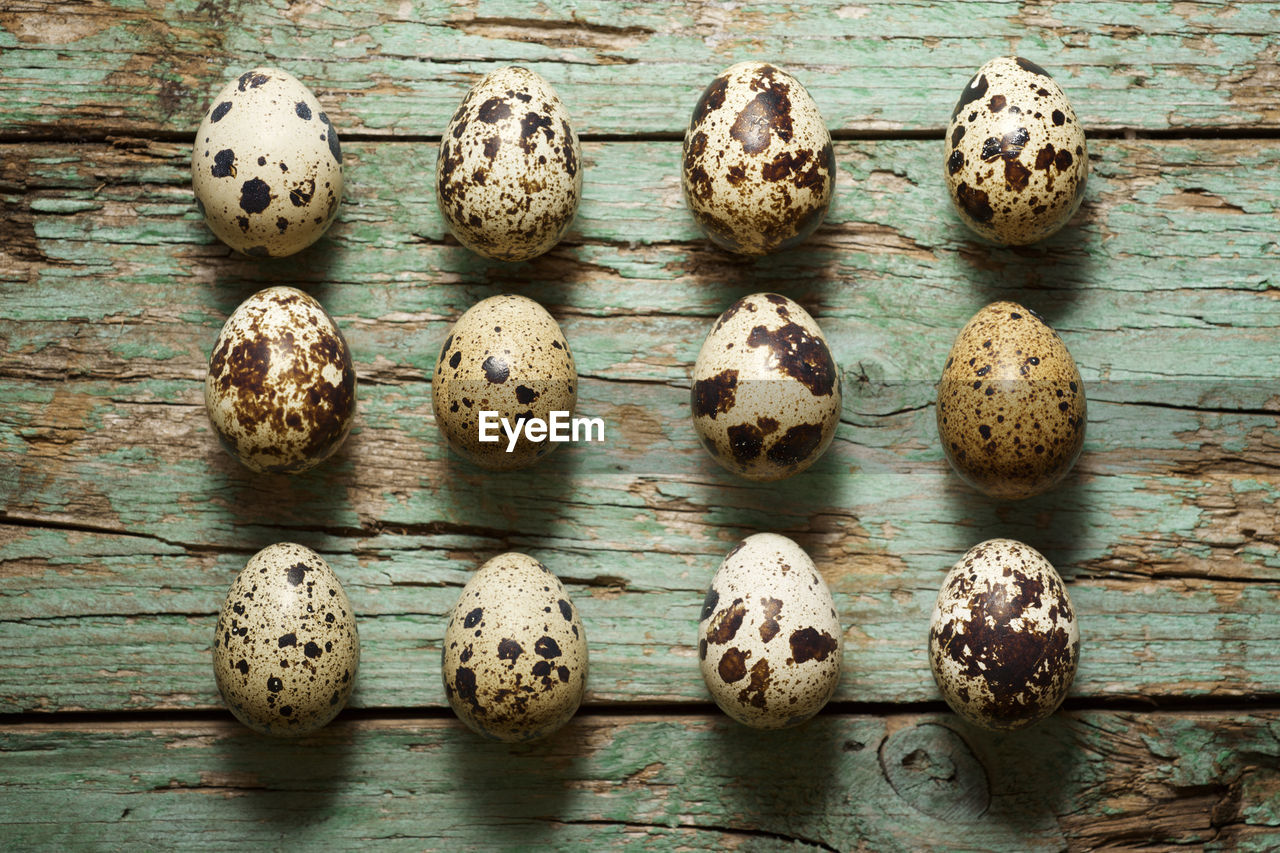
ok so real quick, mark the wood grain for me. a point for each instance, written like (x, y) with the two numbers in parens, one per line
(899, 782)
(122, 523)
(400, 68)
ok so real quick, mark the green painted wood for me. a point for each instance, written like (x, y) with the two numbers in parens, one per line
(127, 521)
(904, 782)
(399, 68)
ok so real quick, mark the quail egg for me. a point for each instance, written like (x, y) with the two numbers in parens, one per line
(286, 648)
(1011, 406)
(759, 169)
(769, 639)
(505, 363)
(766, 391)
(509, 173)
(1016, 160)
(1003, 641)
(515, 654)
(267, 167)
(281, 389)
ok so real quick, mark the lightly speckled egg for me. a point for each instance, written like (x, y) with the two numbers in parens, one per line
(267, 167)
(515, 654)
(766, 391)
(507, 355)
(509, 173)
(1011, 408)
(286, 648)
(1016, 162)
(769, 639)
(281, 388)
(1003, 641)
(759, 169)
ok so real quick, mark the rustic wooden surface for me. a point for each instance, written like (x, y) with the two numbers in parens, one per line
(122, 522)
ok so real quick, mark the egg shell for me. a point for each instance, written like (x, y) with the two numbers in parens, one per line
(505, 354)
(509, 172)
(286, 649)
(769, 639)
(267, 166)
(515, 653)
(759, 170)
(1015, 159)
(281, 388)
(766, 391)
(1003, 641)
(1011, 407)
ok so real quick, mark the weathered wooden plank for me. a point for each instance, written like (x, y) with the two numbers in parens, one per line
(902, 782)
(1171, 551)
(629, 67)
(114, 291)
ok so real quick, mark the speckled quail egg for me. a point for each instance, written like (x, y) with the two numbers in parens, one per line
(509, 173)
(766, 391)
(1016, 160)
(1011, 406)
(267, 167)
(1003, 642)
(286, 648)
(769, 640)
(281, 389)
(759, 170)
(505, 356)
(515, 654)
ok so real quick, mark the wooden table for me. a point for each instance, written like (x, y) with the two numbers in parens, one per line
(124, 523)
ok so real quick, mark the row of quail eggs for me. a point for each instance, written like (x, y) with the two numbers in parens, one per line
(758, 174)
(758, 167)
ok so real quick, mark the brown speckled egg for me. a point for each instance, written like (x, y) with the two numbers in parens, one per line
(286, 648)
(769, 639)
(507, 355)
(766, 391)
(759, 169)
(515, 654)
(1003, 642)
(1011, 406)
(281, 389)
(509, 173)
(266, 167)
(1016, 160)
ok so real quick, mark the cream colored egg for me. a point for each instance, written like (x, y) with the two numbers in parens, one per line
(281, 388)
(515, 654)
(766, 391)
(506, 356)
(1011, 408)
(759, 170)
(769, 640)
(1016, 161)
(1003, 640)
(286, 649)
(509, 172)
(266, 166)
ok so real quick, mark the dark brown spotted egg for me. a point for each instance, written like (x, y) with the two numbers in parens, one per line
(769, 640)
(509, 173)
(267, 167)
(286, 649)
(1003, 641)
(281, 388)
(506, 355)
(1016, 160)
(515, 654)
(1011, 407)
(766, 391)
(759, 169)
